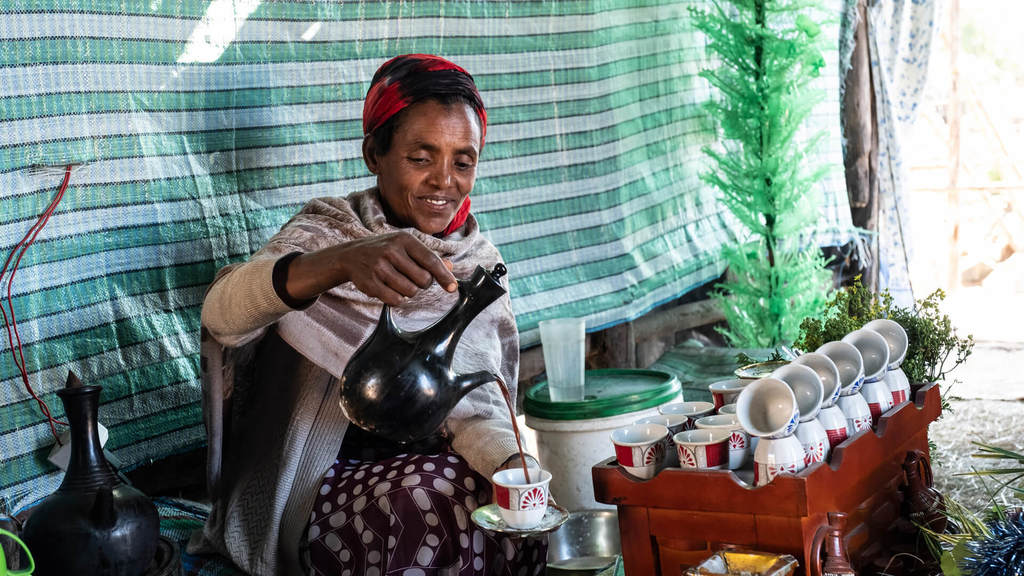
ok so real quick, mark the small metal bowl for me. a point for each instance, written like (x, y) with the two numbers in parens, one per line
(587, 543)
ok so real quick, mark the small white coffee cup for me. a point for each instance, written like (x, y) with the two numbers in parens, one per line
(522, 505)
(739, 439)
(768, 408)
(806, 386)
(775, 456)
(826, 370)
(895, 336)
(640, 448)
(694, 410)
(707, 449)
(725, 391)
(833, 421)
(848, 361)
(675, 423)
(874, 350)
(857, 412)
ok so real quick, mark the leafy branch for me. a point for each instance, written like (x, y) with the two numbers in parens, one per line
(934, 348)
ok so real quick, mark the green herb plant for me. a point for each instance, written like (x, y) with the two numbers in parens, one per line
(743, 359)
(934, 347)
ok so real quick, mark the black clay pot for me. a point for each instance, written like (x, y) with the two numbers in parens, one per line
(93, 524)
(400, 385)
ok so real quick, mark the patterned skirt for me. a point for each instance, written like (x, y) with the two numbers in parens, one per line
(409, 516)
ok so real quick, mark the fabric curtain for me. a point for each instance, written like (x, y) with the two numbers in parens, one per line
(900, 35)
(198, 127)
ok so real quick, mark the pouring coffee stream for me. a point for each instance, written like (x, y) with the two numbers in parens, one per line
(515, 427)
(401, 385)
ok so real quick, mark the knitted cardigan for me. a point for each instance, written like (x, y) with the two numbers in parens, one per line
(270, 380)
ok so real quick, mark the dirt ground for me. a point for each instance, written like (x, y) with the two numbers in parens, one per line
(996, 422)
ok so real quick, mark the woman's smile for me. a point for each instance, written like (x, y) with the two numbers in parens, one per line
(438, 203)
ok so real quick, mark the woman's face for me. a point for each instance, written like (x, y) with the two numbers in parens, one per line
(431, 165)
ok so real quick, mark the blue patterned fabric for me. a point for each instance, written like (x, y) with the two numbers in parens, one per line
(901, 35)
(178, 518)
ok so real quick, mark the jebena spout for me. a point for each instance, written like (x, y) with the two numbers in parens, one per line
(469, 382)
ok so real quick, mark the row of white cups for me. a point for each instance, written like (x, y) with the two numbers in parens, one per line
(786, 421)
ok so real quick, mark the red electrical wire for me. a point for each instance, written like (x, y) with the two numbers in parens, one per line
(12, 326)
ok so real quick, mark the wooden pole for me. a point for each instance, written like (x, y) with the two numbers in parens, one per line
(953, 195)
(859, 121)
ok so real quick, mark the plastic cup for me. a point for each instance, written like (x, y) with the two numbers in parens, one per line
(563, 343)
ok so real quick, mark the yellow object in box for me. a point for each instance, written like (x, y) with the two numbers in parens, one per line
(745, 563)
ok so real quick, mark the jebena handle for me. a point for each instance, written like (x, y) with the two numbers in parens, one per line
(816, 552)
(924, 465)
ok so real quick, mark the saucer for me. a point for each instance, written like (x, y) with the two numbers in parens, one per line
(758, 369)
(489, 518)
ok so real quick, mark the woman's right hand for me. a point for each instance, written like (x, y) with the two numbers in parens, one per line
(390, 267)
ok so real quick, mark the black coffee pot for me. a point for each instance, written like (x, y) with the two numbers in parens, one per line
(400, 385)
(93, 524)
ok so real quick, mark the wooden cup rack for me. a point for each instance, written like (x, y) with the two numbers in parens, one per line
(680, 517)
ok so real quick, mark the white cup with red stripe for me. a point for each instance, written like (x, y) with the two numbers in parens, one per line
(775, 456)
(725, 391)
(522, 504)
(675, 423)
(640, 448)
(875, 352)
(694, 410)
(703, 448)
(833, 421)
(739, 439)
(896, 337)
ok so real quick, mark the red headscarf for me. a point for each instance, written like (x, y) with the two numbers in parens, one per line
(407, 79)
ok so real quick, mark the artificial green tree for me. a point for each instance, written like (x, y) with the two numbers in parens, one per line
(768, 53)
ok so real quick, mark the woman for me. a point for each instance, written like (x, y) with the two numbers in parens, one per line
(295, 487)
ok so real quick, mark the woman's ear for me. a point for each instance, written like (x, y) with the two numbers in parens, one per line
(370, 154)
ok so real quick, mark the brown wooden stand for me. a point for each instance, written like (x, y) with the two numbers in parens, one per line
(680, 517)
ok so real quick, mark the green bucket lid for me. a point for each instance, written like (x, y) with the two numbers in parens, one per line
(606, 393)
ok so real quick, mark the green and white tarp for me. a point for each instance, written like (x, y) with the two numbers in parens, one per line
(198, 127)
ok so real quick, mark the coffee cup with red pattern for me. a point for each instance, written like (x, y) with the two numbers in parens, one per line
(775, 456)
(640, 448)
(896, 337)
(694, 410)
(725, 391)
(703, 448)
(675, 423)
(522, 504)
(875, 352)
(833, 421)
(739, 439)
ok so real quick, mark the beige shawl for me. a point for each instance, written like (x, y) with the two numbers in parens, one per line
(271, 409)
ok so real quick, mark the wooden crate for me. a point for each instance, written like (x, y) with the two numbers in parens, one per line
(680, 517)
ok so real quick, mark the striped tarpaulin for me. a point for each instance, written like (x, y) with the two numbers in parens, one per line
(200, 127)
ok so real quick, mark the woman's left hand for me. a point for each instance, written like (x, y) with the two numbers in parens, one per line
(514, 462)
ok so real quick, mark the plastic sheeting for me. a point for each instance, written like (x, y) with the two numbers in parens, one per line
(200, 127)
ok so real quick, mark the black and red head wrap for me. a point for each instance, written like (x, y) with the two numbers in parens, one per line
(410, 78)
